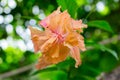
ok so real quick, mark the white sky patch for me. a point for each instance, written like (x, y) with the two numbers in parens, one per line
(1, 19)
(7, 10)
(8, 19)
(9, 28)
(35, 10)
(100, 6)
(12, 4)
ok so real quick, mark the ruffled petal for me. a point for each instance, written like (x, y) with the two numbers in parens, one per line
(58, 22)
(45, 22)
(47, 44)
(75, 53)
(75, 39)
(72, 39)
(39, 38)
(60, 38)
(81, 44)
(54, 55)
(78, 25)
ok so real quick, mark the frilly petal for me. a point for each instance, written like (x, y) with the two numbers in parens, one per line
(54, 55)
(78, 25)
(39, 38)
(45, 22)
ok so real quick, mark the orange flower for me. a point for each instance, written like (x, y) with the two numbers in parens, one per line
(59, 39)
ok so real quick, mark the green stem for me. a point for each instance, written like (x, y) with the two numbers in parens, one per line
(93, 8)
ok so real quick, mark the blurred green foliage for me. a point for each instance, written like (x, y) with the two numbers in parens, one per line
(101, 38)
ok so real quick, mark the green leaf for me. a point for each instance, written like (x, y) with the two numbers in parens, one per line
(107, 60)
(103, 48)
(50, 74)
(100, 24)
(88, 77)
(113, 53)
(53, 75)
(69, 5)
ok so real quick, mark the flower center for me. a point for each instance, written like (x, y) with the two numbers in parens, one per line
(60, 37)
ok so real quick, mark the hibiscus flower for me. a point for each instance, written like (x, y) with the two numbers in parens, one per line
(60, 39)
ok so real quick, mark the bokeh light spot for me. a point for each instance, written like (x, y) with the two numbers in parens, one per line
(1, 19)
(1, 10)
(9, 28)
(32, 22)
(35, 10)
(7, 10)
(3, 3)
(3, 44)
(87, 8)
(8, 19)
(12, 4)
(100, 6)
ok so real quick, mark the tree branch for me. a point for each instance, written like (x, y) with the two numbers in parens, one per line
(16, 71)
